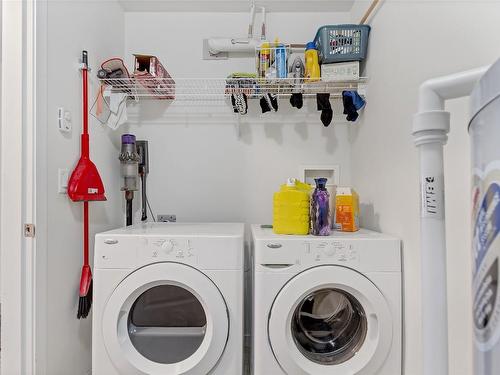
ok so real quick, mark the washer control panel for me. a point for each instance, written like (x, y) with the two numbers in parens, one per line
(336, 251)
(172, 249)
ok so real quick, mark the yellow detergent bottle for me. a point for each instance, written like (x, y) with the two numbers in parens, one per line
(265, 59)
(291, 208)
(313, 72)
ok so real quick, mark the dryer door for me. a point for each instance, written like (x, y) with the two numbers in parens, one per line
(165, 318)
(330, 318)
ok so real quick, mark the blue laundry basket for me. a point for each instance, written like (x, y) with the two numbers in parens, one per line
(339, 43)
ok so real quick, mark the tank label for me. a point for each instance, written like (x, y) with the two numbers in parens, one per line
(486, 254)
(487, 224)
(486, 299)
(432, 197)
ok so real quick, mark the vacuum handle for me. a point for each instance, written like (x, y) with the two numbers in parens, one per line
(85, 59)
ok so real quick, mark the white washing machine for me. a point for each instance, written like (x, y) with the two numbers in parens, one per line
(168, 299)
(327, 305)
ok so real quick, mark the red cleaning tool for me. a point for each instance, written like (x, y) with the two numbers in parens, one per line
(85, 185)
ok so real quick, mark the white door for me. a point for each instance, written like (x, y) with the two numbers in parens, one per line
(166, 318)
(330, 319)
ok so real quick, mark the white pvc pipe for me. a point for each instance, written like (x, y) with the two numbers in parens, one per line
(251, 21)
(430, 128)
(218, 45)
(434, 92)
(433, 241)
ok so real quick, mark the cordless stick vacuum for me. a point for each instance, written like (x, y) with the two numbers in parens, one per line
(85, 185)
(129, 160)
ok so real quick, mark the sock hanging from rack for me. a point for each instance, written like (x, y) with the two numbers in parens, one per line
(239, 102)
(269, 102)
(353, 102)
(264, 105)
(296, 100)
(323, 104)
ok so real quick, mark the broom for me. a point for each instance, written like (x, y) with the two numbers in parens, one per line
(85, 185)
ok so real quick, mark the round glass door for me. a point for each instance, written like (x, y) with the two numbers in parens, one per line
(329, 326)
(165, 319)
(330, 318)
(167, 324)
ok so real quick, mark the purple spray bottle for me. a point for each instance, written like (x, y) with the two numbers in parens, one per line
(320, 209)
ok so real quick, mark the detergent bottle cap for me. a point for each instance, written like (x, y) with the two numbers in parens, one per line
(321, 183)
(310, 45)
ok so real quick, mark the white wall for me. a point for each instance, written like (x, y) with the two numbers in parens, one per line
(73, 26)
(410, 42)
(200, 169)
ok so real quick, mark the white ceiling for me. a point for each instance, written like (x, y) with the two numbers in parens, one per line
(236, 5)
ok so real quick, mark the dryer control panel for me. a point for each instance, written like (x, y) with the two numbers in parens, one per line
(115, 252)
(169, 249)
(336, 251)
(112, 252)
(303, 253)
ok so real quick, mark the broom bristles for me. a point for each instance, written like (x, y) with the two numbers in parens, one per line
(84, 304)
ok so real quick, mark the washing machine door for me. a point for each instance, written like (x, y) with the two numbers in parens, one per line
(165, 318)
(330, 319)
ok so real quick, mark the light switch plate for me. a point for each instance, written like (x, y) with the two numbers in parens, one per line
(62, 180)
(63, 120)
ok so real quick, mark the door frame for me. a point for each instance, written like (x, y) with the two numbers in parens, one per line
(18, 186)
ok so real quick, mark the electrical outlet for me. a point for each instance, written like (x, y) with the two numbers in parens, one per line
(62, 180)
(167, 218)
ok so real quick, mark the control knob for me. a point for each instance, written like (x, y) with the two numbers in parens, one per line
(168, 246)
(329, 250)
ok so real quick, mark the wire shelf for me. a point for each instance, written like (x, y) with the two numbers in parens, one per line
(220, 88)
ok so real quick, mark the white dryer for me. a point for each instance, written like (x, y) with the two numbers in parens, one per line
(327, 305)
(168, 299)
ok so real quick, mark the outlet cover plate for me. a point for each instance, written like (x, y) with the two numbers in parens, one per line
(167, 218)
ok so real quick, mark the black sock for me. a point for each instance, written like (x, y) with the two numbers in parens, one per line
(326, 117)
(323, 101)
(323, 105)
(264, 105)
(296, 100)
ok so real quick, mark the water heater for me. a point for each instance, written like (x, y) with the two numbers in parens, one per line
(484, 130)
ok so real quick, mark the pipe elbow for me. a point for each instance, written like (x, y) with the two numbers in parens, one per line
(435, 91)
(428, 96)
